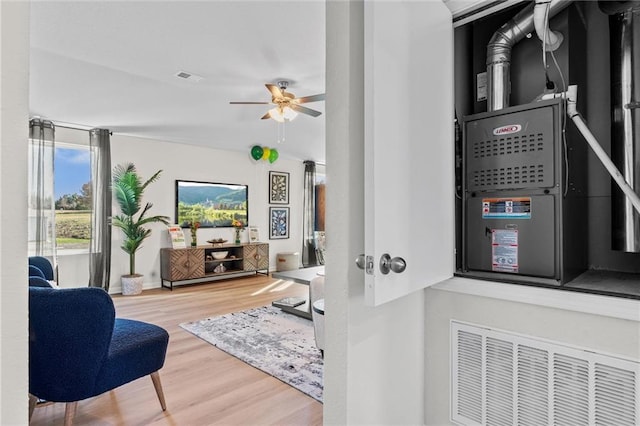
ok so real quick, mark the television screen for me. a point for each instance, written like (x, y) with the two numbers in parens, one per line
(214, 205)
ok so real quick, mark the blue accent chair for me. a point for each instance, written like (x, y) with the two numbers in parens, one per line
(78, 349)
(36, 281)
(44, 265)
(34, 271)
(37, 278)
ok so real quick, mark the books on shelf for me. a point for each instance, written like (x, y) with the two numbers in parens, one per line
(177, 236)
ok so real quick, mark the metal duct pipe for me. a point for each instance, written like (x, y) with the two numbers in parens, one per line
(624, 27)
(499, 52)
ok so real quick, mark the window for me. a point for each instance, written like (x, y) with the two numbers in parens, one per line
(69, 202)
(72, 189)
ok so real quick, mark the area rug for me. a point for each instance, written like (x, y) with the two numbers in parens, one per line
(278, 343)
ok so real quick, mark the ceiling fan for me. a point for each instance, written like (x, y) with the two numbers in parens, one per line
(287, 106)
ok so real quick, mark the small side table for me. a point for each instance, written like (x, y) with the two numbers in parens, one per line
(318, 306)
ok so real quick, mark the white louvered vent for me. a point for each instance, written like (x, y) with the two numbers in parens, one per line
(501, 378)
(189, 76)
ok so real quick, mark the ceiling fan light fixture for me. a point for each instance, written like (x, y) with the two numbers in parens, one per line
(276, 114)
(282, 114)
(289, 114)
(287, 106)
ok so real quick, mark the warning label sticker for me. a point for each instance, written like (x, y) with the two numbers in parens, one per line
(506, 208)
(504, 250)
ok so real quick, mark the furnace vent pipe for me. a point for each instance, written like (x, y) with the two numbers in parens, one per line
(624, 29)
(499, 51)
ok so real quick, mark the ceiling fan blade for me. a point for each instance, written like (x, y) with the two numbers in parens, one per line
(275, 90)
(250, 103)
(305, 110)
(313, 98)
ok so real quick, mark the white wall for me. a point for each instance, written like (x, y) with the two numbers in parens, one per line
(179, 161)
(14, 133)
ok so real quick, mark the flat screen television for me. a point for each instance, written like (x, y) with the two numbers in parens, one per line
(214, 205)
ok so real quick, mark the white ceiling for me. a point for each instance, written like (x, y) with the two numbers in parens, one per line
(112, 65)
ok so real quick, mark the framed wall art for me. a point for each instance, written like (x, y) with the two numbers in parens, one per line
(279, 223)
(278, 188)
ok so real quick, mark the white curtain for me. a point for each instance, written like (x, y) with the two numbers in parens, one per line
(41, 208)
(100, 244)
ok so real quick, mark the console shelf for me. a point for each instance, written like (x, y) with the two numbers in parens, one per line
(197, 263)
(222, 260)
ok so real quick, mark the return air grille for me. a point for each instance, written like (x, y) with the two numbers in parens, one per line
(470, 376)
(533, 386)
(500, 378)
(571, 390)
(614, 384)
(499, 382)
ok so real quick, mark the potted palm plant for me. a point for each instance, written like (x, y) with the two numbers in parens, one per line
(128, 188)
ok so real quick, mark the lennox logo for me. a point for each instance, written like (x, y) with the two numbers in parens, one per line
(507, 130)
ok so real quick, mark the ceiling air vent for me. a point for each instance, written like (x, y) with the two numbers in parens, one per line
(188, 76)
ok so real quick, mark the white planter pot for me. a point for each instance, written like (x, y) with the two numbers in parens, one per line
(131, 284)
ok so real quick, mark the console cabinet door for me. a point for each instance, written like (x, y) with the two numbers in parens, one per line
(262, 256)
(185, 264)
(256, 257)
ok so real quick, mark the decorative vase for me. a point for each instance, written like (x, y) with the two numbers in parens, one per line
(132, 284)
(237, 235)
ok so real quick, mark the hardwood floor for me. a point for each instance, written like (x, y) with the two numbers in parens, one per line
(202, 385)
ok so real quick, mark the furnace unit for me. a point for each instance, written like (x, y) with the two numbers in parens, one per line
(523, 204)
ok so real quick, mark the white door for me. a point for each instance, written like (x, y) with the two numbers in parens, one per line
(409, 146)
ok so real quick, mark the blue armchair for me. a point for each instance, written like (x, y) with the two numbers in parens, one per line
(38, 281)
(37, 278)
(34, 271)
(78, 349)
(44, 265)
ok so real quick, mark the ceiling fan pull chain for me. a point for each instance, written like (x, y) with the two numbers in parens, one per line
(280, 128)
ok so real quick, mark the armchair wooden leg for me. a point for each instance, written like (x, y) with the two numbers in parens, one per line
(33, 401)
(70, 412)
(155, 377)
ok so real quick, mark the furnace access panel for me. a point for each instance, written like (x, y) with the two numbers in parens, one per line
(516, 201)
